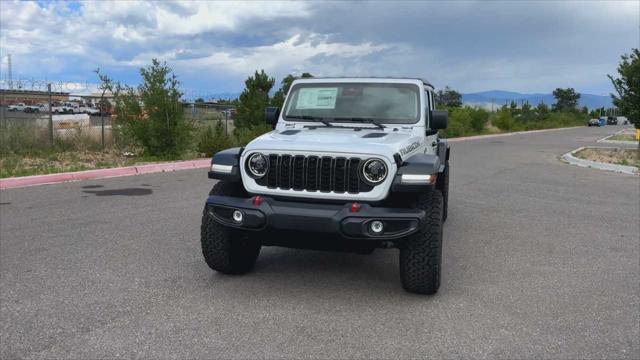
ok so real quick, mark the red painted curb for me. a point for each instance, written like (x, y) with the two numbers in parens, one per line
(24, 181)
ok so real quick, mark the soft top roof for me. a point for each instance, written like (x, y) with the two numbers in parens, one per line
(364, 78)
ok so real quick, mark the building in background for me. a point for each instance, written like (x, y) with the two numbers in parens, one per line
(30, 97)
(94, 98)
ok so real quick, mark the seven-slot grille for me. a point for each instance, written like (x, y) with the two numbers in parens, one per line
(313, 173)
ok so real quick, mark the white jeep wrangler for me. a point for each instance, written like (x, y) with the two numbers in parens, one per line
(352, 164)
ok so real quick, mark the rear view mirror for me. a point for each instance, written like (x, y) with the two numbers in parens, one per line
(272, 113)
(438, 119)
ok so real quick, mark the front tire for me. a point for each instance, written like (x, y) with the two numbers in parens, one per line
(443, 185)
(421, 253)
(227, 250)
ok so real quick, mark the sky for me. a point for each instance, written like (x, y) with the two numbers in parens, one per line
(522, 46)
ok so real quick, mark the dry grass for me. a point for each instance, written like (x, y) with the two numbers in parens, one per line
(623, 137)
(40, 164)
(629, 157)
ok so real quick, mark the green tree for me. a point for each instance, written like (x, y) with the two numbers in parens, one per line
(628, 87)
(152, 114)
(448, 98)
(199, 100)
(285, 85)
(542, 109)
(566, 99)
(585, 110)
(253, 99)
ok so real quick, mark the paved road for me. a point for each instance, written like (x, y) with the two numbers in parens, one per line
(541, 259)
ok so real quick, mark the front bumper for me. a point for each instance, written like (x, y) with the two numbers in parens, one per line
(315, 217)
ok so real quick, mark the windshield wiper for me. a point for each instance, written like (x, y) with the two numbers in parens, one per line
(361, 119)
(310, 118)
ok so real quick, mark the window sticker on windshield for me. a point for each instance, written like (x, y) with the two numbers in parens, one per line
(317, 98)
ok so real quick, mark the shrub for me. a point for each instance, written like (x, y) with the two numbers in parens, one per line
(242, 136)
(479, 119)
(454, 129)
(213, 139)
(504, 121)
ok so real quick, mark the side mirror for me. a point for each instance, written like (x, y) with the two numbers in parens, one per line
(438, 119)
(272, 113)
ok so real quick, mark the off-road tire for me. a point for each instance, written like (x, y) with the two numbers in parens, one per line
(443, 185)
(227, 250)
(421, 252)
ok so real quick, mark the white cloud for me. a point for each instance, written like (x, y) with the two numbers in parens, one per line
(469, 45)
(292, 54)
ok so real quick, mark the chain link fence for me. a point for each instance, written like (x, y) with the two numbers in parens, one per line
(210, 115)
(44, 122)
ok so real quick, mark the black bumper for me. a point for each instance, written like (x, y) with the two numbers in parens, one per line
(315, 217)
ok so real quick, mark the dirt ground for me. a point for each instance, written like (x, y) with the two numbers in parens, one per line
(25, 165)
(629, 157)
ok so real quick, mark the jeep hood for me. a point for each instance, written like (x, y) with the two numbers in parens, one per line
(385, 142)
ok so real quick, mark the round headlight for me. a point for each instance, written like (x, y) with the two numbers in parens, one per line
(258, 165)
(374, 171)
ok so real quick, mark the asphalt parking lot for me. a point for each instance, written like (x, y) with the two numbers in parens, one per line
(541, 259)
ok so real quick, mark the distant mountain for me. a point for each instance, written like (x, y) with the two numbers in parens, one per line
(500, 97)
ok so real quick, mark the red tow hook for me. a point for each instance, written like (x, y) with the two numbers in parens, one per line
(257, 200)
(355, 207)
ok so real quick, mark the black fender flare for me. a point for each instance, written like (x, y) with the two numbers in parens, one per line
(226, 158)
(418, 164)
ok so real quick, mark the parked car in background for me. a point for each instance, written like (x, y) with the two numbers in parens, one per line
(64, 108)
(229, 113)
(31, 109)
(593, 122)
(16, 107)
(621, 120)
(67, 108)
(43, 107)
(612, 120)
(90, 110)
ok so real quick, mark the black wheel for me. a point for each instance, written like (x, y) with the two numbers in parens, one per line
(421, 253)
(227, 250)
(443, 185)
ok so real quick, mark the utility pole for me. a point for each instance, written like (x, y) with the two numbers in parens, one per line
(226, 125)
(102, 119)
(9, 72)
(50, 115)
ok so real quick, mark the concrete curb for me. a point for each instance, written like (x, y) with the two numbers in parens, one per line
(620, 142)
(572, 160)
(479, 137)
(11, 183)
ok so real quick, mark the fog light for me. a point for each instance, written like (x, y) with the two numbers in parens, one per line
(376, 227)
(237, 216)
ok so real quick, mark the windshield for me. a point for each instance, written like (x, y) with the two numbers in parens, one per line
(354, 102)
